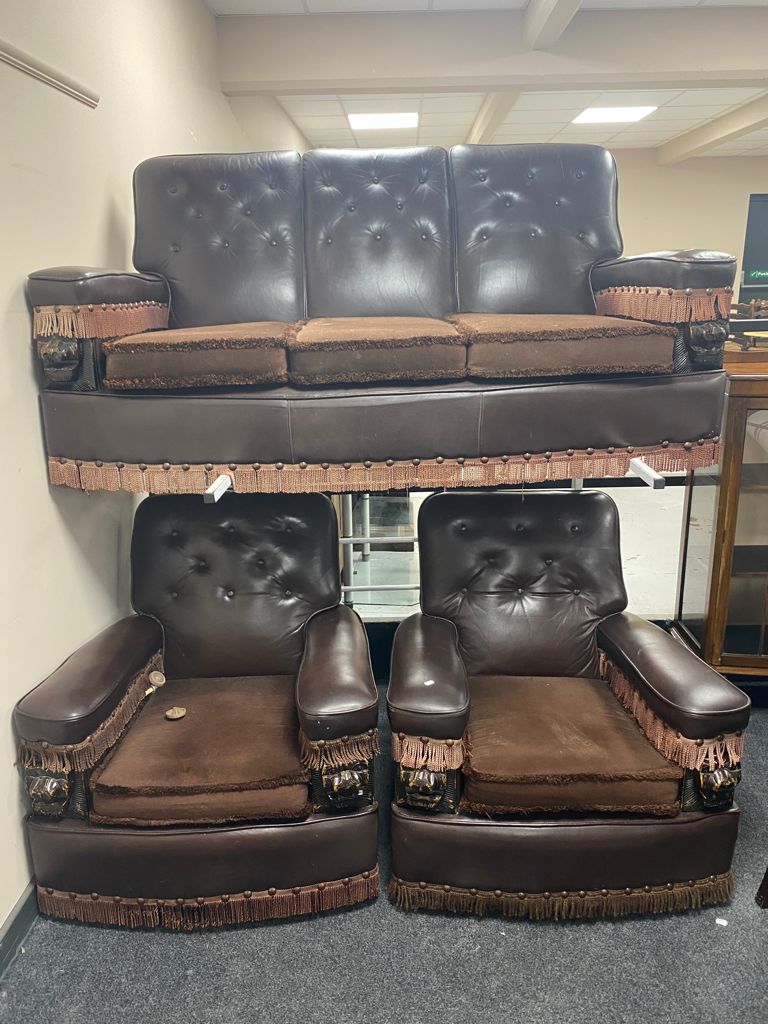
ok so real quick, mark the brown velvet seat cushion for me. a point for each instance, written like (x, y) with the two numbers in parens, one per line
(552, 744)
(196, 357)
(378, 348)
(562, 345)
(234, 756)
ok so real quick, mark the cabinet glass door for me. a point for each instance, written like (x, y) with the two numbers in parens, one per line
(746, 625)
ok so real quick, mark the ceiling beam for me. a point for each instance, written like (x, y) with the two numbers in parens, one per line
(546, 20)
(697, 142)
(492, 113)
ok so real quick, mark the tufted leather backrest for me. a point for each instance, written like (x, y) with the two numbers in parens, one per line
(525, 576)
(531, 221)
(226, 233)
(233, 583)
(378, 233)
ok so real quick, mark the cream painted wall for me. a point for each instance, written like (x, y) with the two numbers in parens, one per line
(65, 179)
(266, 124)
(698, 203)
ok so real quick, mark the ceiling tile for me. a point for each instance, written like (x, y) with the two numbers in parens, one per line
(630, 5)
(555, 100)
(324, 123)
(727, 97)
(256, 6)
(438, 102)
(352, 6)
(395, 104)
(320, 106)
(482, 5)
(461, 117)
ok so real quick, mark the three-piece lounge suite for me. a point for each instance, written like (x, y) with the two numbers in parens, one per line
(362, 321)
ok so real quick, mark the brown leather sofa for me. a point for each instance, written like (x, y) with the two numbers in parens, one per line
(209, 760)
(365, 320)
(556, 757)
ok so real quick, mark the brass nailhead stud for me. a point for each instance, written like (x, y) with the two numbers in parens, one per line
(272, 891)
(166, 466)
(209, 466)
(497, 893)
(484, 459)
(345, 881)
(401, 735)
(94, 895)
(547, 895)
(390, 462)
(603, 892)
(248, 893)
(278, 465)
(371, 732)
(367, 463)
(233, 465)
(582, 893)
(461, 460)
(366, 874)
(449, 743)
(473, 892)
(200, 900)
(422, 885)
(446, 888)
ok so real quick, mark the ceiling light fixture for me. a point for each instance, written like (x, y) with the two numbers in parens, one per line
(382, 122)
(613, 115)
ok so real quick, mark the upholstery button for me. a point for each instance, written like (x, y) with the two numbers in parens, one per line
(423, 237)
(272, 185)
(230, 593)
(328, 241)
(399, 205)
(230, 529)
(225, 244)
(483, 177)
(547, 561)
(273, 242)
(576, 590)
(422, 179)
(520, 590)
(579, 174)
(575, 528)
(507, 202)
(222, 188)
(557, 202)
(175, 248)
(174, 593)
(351, 207)
(173, 190)
(198, 213)
(248, 213)
(484, 235)
(463, 527)
(377, 236)
(289, 593)
(491, 561)
(529, 175)
(533, 234)
(582, 235)
(260, 561)
(375, 180)
(519, 527)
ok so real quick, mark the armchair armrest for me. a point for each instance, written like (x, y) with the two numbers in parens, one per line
(675, 268)
(677, 685)
(690, 288)
(428, 689)
(72, 306)
(335, 691)
(81, 695)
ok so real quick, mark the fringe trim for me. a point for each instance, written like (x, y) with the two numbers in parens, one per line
(431, 474)
(79, 757)
(423, 752)
(104, 320)
(204, 380)
(647, 899)
(720, 752)
(319, 754)
(208, 911)
(665, 305)
(497, 810)
(286, 814)
(476, 335)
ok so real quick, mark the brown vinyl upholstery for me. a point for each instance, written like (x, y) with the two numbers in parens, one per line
(534, 721)
(236, 706)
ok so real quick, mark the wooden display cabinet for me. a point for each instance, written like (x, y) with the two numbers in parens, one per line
(722, 598)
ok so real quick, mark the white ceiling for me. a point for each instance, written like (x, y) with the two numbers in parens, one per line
(229, 7)
(445, 118)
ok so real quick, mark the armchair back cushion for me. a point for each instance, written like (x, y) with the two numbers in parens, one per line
(378, 233)
(233, 583)
(531, 221)
(225, 231)
(526, 578)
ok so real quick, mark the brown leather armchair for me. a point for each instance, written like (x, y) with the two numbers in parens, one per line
(555, 755)
(209, 760)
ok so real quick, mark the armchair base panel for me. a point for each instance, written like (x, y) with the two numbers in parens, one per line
(586, 865)
(187, 878)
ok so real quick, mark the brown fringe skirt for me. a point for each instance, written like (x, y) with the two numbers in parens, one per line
(537, 906)
(191, 914)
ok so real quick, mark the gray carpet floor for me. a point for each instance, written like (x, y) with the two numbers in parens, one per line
(378, 964)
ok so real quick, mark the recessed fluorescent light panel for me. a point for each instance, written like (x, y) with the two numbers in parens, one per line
(613, 115)
(382, 122)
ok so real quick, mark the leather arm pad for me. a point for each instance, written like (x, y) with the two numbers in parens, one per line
(75, 699)
(428, 688)
(77, 286)
(677, 685)
(335, 689)
(678, 269)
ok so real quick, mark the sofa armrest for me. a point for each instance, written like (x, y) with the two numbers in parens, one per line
(73, 306)
(677, 269)
(335, 691)
(428, 689)
(79, 697)
(674, 683)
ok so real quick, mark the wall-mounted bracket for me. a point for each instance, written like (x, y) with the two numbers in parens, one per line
(221, 484)
(647, 475)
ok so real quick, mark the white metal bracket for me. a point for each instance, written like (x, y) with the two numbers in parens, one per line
(647, 475)
(221, 484)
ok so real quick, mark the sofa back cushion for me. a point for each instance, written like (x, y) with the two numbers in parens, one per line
(378, 233)
(531, 221)
(526, 577)
(233, 583)
(225, 230)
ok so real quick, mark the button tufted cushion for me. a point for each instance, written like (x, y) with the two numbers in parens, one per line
(378, 233)
(384, 348)
(531, 220)
(234, 755)
(225, 230)
(233, 583)
(526, 577)
(503, 345)
(190, 357)
(555, 744)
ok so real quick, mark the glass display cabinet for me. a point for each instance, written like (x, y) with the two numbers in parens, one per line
(722, 606)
